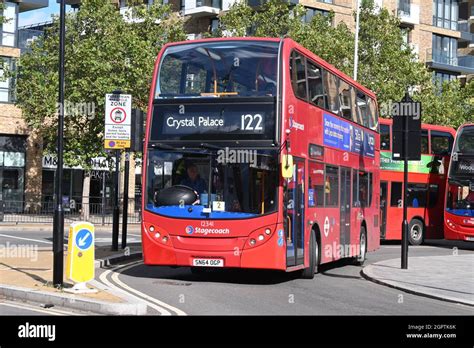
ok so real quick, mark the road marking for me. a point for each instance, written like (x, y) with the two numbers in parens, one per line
(35, 309)
(103, 279)
(411, 246)
(28, 239)
(115, 277)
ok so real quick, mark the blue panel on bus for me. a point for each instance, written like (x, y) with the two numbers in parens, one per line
(343, 135)
(337, 133)
(195, 212)
(461, 212)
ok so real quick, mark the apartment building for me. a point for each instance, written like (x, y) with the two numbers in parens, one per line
(19, 146)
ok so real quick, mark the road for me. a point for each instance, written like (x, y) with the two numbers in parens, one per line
(338, 289)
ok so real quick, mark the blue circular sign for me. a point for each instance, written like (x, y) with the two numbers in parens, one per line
(189, 229)
(84, 239)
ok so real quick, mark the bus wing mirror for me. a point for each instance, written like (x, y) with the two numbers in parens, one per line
(287, 166)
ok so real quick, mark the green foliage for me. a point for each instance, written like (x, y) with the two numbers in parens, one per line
(451, 107)
(104, 52)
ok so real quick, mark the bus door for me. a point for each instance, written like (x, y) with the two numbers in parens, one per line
(345, 208)
(296, 201)
(383, 208)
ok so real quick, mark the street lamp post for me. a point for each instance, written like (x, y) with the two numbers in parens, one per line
(356, 44)
(58, 222)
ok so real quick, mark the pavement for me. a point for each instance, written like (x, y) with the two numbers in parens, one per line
(41, 227)
(26, 275)
(449, 278)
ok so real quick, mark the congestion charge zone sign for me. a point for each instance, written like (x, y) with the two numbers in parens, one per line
(118, 113)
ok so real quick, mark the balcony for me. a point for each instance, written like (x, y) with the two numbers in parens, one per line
(466, 34)
(202, 8)
(28, 5)
(408, 13)
(258, 3)
(441, 61)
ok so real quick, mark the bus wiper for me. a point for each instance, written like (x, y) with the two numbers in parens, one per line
(163, 146)
(210, 146)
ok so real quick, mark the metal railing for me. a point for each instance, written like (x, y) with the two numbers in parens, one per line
(210, 3)
(96, 210)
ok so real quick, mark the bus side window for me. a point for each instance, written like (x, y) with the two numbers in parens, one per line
(424, 142)
(433, 195)
(298, 76)
(441, 143)
(417, 195)
(330, 86)
(316, 184)
(373, 114)
(362, 110)
(344, 95)
(331, 185)
(384, 137)
(315, 85)
(396, 196)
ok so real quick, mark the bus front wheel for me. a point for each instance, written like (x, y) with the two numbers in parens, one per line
(415, 232)
(308, 273)
(360, 259)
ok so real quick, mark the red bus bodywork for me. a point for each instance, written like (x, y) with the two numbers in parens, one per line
(459, 226)
(179, 248)
(430, 216)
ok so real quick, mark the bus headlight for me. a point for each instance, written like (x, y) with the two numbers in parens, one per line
(152, 228)
(157, 235)
(268, 231)
(252, 242)
(261, 237)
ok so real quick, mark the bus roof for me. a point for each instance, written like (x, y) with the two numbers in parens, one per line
(301, 48)
(426, 126)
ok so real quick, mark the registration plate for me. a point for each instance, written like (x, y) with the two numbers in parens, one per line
(470, 239)
(208, 262)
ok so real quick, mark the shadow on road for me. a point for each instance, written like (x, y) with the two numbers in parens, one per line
(183, 276)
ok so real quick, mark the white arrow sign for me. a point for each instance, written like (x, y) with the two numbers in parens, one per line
(82, 241)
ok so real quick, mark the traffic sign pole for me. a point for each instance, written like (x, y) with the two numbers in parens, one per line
(58, 221)
(404, 259)
(125, 200)
(116, 211)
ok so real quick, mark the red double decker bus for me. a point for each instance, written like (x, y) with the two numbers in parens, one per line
(258, 154)
(459, 212)
(426, 185)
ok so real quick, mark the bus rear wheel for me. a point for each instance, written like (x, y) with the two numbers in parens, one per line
(416, 231)
(308, 273)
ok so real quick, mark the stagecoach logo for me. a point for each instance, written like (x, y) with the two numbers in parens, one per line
(206, 231)
(296, 125)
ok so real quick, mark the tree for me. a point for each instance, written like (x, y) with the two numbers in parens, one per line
(104, 51)
(448, 104)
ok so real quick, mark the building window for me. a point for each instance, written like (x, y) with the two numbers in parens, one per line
(12, 171)
(445, 49)
(9, 27)
(406, 35)
(442, 77)
(404, 7)
(446, 13)
(311, 12)
(214, 24)
(6, 85)
(210, 3)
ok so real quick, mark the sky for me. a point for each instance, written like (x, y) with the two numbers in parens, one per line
(40, 15)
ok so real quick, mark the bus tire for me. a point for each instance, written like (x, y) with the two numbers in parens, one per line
(308, 273)
(416, 231)
(360, 259)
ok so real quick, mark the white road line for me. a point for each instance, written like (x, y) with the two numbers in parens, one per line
(103, 279)
(31, 240)
(115, 277)
(35, 309)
